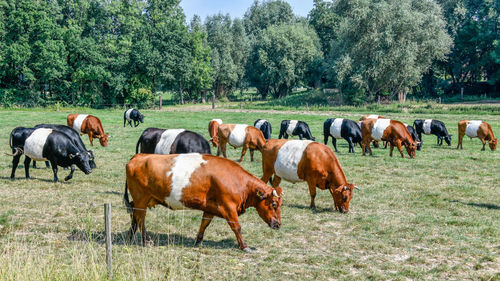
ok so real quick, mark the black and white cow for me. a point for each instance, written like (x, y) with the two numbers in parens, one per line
(264, 126)
(432, 127)
(171, 141)
(44, 144)
(132, 115)
(74, 136)
(342, 128)
(295, 128)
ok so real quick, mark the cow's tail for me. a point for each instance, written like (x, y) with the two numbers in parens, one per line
(137, 145)
(10, 140)
(128, 204)
(18, 149)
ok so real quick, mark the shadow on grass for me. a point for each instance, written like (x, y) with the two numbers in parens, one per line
(111, 192)
(317, 210)
(479, 205)
(159, 239)
(61, 180)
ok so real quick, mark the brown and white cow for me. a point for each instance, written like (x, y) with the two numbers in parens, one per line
(213, 126)
(90, 125)
(392, 131)
(371, 116)
(217, 186)
(306, 160)
(240, 135)
(476, 129)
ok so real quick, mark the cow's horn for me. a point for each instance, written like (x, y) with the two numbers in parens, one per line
(275, 193)
(356, 187)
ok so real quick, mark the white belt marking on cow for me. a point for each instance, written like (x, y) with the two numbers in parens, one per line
(260, 123)
(291, 127)
(127, 114)
(182, 170)
(77, 124)
(472, 127)
(288, 158)
(336, 127)
(372, 116)
(217, 120)
(238, 134)
(33, 146)
(427, 126)
(167, 138)
(379, 128)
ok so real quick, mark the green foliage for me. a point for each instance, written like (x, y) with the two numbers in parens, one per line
(260, 16)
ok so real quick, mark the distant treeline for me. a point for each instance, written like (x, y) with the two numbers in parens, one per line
(94, 52)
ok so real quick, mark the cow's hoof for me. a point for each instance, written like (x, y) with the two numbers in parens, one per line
(249, 250)
(67, 178)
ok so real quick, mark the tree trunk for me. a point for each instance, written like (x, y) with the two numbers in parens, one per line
(203, 96)
(402, 96)
(181, 95)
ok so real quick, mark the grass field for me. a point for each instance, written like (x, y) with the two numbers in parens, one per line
(435, 217)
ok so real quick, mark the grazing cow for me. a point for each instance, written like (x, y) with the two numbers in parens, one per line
(264, 126)
(74, 136)
(371, 116)
(295, 128)
(388, 130)
(305, 160)
(413, 135)
(171, 141)
(476, 129)
(46, 145)
(132, 115)
(342, 128)
(213, 126)
(434, 127)
(214, 185)
(238, 135)
(90, 125)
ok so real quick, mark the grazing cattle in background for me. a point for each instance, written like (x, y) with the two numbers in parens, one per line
(413, 135)
(295, 128)
(74, 136)
(342, 128)
(171, 141)
(132, 115)
(90, 125)
(371, 116)
(312, 162)
(214, 185)
(388, 130)
(264, 126)
(240, 135)
(476, 129)
(434, 127)
(213, 126)
(46, 145)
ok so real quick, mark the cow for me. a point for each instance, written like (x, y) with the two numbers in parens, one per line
(132, 115)
(74, 136)
(213, 126)
(239, 135)
(434, 127)
(44, 144)
(264, 126)
(388, 130)
(217, 186)
(90, 125)
(371, 116)
(342, 128)
(295, 128)
(312, 162)
(171, 141)
(413, 135)
(476, 129)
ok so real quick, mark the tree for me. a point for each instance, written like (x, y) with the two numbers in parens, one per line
(281, 56)
(387, 45)
(325, 21)
(263, 15)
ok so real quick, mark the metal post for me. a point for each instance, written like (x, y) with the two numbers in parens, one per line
(57, 106)
(213, 101)
(109, 252)
(161, 101)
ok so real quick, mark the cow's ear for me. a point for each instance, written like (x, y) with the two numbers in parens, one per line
(261, 195)
(71, 156)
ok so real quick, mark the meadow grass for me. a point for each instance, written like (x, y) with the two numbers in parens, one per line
(433, 217)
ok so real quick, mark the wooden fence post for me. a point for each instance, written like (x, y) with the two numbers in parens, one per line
(213, 101)
(109, 252)
(161, 101)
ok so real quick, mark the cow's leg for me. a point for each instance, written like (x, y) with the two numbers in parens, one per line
(366, 147)
(47, 165)
(285, 136)
(223, 148)
(232, 219)
(460, 139)
(251, 154)
(140, 217)
(206, 219)
(484, 143)
(276, 181)
(15, 163)
(281, 135)
(267, 174)
(351, 145)
(34, 164)
(392, 148)
(385, 144)
(54, 170)
(218, 149)
(136, 123)
(326, 139)
(438, 140)
(400, 148)
(91, 138)
(70, 176)
(27, 161)
(124, 122)
(334, 141)
(243, 152)
(300, 136)
(312, 192)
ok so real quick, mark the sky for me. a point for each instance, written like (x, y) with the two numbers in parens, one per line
(236, 8)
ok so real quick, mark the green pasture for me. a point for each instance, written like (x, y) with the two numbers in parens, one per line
(436, 217)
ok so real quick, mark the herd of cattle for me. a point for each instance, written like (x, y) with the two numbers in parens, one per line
(174, 168)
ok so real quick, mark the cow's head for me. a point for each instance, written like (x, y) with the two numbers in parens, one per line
(447, 139)
(91, 159)
(81, 160)
(141, 118)
(341, 196)
(493, 144)
(269, 207)
(103, 140)
(411, 148)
